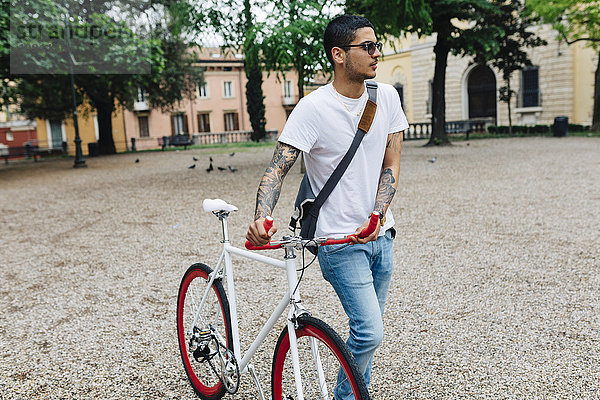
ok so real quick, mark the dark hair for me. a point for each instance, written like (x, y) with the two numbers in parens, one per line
(341, 31)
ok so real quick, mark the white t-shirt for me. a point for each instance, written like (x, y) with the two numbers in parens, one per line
(323, 125)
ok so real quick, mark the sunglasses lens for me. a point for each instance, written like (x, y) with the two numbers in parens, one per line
(371, 48)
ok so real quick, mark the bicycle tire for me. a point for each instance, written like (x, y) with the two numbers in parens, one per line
(334, 356)
(203, 379)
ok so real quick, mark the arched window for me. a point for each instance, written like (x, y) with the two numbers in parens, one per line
(400, 89)
(482, 92)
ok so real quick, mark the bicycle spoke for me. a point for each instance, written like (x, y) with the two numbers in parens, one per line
(200, 344)
(326, 366)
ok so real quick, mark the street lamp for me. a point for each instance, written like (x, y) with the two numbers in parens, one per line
(79, 160)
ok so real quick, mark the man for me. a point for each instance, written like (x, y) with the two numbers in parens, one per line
(323, 125)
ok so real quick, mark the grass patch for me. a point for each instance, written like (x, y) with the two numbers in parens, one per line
(220, 147)
(477, 136)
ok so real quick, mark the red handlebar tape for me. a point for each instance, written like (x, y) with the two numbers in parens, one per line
(268, 223)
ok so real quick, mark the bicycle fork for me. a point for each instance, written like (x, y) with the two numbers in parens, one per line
(296, 310)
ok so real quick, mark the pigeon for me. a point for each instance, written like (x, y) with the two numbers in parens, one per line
(221, 168)
(195, 158)
(432, 160)
(210, 168)
(231, 168)
(232, 154)
(192, 166)
(211, 160)
(137, 160)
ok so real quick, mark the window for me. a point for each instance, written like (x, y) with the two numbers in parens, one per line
(203, 91)
(287, 89)
(231, 121)
(430, 98)
(530, 87)
(400, 89)
(143, 126)
(204, 122)
(9, 137)
(179, 124)
(141, 97)
(56, 137)
(227, 89)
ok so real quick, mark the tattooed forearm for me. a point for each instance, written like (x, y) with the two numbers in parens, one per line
(270, 185)
(386, 191)
(395, 141)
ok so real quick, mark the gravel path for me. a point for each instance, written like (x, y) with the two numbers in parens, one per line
(495, 292)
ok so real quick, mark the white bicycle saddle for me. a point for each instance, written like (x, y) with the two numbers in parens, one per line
(217, 205)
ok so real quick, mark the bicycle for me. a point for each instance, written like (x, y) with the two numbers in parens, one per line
(309, 354)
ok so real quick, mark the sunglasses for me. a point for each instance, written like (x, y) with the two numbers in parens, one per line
(368, 46)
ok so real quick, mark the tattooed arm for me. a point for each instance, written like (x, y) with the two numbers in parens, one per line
(390, 171)
(269, 190)
(388, 181)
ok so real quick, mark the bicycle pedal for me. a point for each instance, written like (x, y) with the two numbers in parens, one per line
(202, 353)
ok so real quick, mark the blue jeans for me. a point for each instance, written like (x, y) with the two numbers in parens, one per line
(360, 275)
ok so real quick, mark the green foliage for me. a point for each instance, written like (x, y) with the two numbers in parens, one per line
(158, 64)
(462, 28)
(233, 20)
(255, 104)
(254, 93)
(575, 20)
(395, 17)
(294, 39)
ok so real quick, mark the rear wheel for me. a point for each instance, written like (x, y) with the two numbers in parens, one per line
(206, 347)
(326, 365)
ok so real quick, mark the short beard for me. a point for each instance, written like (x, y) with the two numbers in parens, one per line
(353, 75)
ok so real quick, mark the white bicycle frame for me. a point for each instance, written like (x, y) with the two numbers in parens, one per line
(290, 298)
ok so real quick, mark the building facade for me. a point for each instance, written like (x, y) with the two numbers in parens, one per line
(52, 133)
(559, 83)
(219, 104)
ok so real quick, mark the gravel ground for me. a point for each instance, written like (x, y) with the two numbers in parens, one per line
(495, 292)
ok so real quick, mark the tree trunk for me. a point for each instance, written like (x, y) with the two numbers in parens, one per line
(301, 95)
(438, 101)
(509, 94)
(596, 117)
(300, 84)
(106, 144)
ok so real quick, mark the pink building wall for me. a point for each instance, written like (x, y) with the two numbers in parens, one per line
(218, 69)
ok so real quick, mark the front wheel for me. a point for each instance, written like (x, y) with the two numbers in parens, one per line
(327, 368)
(206, 346)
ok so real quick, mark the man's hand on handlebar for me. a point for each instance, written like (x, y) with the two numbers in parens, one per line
(258, 235)
(373, 236)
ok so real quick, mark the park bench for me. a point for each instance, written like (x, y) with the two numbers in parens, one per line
(27, 151)
(176, 141)
(466, 127)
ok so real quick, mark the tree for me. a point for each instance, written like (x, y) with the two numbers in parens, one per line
(254, 93)
(234, 21)
(575, 21)
(511, 55)
(461, 29)
(112, 73)
(295, 39)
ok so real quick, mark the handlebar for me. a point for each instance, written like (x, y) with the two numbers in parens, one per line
(268, 223)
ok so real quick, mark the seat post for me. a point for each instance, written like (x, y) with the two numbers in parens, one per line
(223, 218)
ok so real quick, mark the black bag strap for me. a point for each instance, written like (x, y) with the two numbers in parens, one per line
(363, 128)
